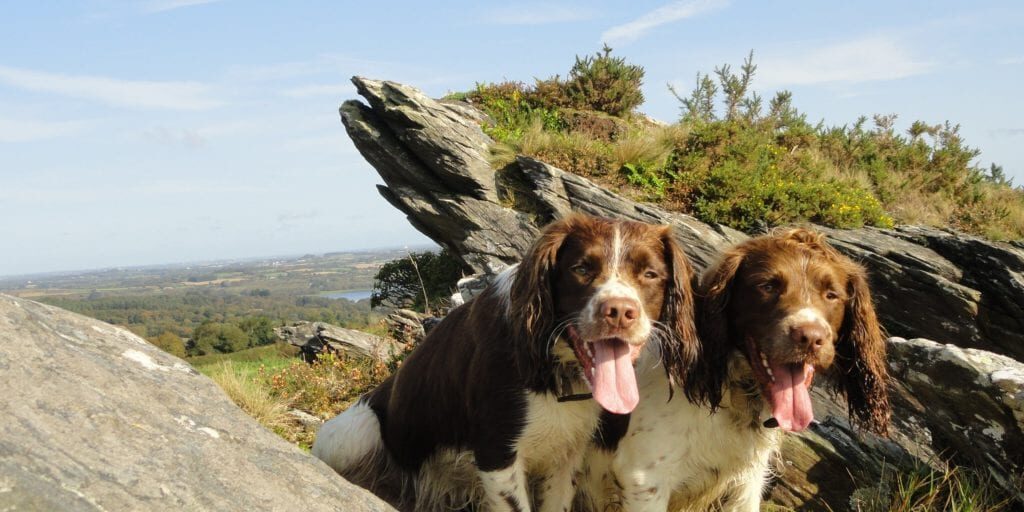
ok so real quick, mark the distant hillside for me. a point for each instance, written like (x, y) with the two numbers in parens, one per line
(222, 307)
(745, 161)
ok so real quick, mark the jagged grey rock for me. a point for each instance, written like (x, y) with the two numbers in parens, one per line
(949, 404)
(969, 402)
(96, 418)
(927, 283)
(406, 326)
(314, 337)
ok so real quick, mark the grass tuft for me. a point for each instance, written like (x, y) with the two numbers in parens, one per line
(926, 489)
(254, 397)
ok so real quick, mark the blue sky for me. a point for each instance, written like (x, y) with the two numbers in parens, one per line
(159, 131)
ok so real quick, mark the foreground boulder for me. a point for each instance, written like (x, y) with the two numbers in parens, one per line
(949, 404)
(95, 418)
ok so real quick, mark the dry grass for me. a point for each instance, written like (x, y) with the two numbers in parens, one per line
(268, 389)
(253, 396)
(926, 489)
(999, 215)
(328, 386)
(643, 146)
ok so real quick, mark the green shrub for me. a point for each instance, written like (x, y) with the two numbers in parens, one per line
(512, 108)
(604, 83)
(737, 160)
(328, 386)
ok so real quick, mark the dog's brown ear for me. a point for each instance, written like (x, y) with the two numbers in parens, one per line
(705, 381)
(681, 349)
(860, 351)
(531, 299)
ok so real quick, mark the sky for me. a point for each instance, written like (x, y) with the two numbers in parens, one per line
(159, 131)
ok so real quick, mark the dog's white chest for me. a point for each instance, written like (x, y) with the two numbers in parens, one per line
(556, 432)
(683, 449)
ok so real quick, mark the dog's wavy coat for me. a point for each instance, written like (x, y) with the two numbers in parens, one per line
(491, 410)
(774, 311)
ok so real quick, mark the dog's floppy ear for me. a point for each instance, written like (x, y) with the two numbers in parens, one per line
(679, 354)
(531, 298)
(862, 374)
(705, 381)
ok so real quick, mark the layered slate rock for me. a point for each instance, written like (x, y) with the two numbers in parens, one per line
(927, 283)
(950, 405)
(96, 418)
(314, 338)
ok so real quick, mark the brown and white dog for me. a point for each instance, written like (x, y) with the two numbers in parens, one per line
(775, 311)
(492, 410)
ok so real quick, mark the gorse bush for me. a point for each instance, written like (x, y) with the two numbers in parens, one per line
(328, 386)
(268, 384)
(736, 159)
(597, 83)
(604, 83)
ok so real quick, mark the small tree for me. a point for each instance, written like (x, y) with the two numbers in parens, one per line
(605, 83)
(259, 329)
(170, 343)
(217, 336)
(415, 282)
(700, 105)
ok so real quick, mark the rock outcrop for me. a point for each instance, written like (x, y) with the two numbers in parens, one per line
(950, 403)
(95, 418)
(313, 338)
(928, 282)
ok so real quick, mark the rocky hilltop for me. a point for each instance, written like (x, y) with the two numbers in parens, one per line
(961, 399)
(96, 418)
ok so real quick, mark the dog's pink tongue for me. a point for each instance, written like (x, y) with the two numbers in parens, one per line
(791, 400)
(614, 378)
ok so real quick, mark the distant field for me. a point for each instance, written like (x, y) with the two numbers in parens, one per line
(200, 310)
(305, 275)
(274, 357)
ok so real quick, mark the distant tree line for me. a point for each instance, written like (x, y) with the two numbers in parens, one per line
(207, 321)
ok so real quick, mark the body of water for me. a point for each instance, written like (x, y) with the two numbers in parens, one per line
(352, 295)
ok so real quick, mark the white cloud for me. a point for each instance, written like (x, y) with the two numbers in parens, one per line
(537, 14)
(112, 91)
(665, 14)
(1011, 61)
(12, 130)
(868, 59)
(169, 5)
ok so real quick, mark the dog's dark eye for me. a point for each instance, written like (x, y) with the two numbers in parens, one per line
(580, 269)
(832, 295)
(768, 287)
(650, 274)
